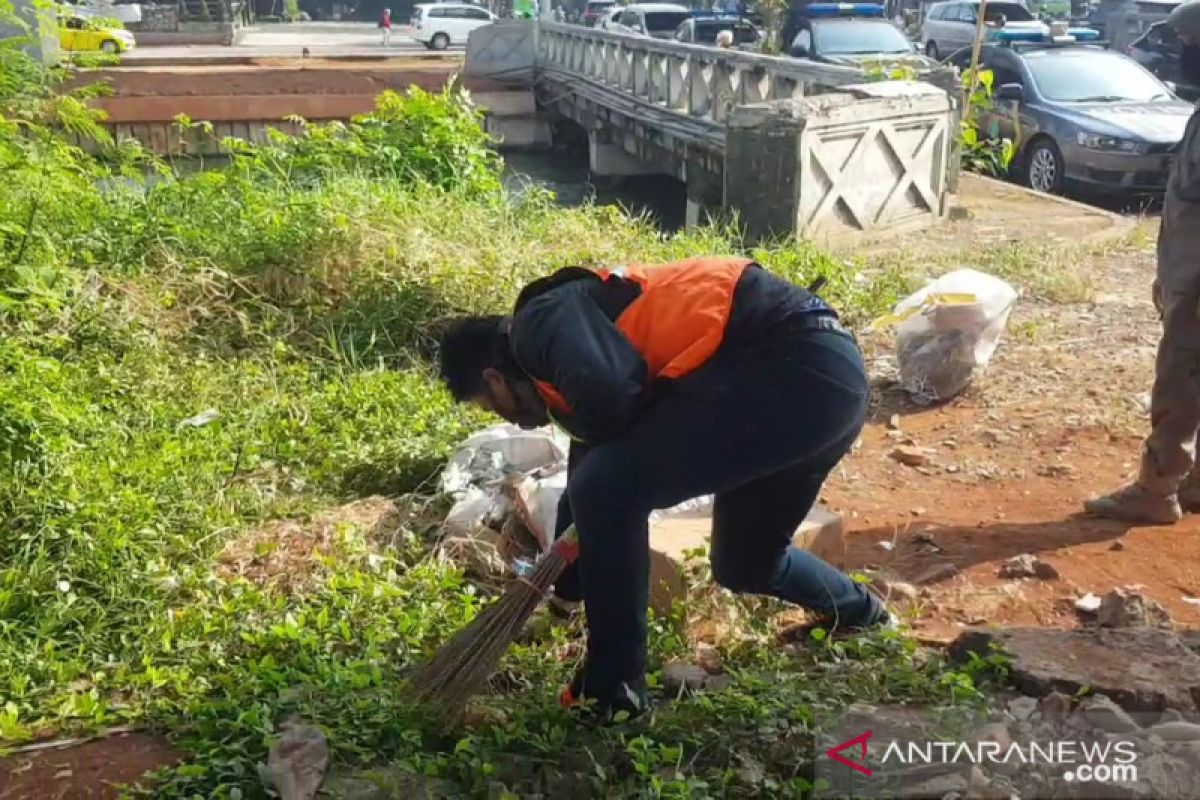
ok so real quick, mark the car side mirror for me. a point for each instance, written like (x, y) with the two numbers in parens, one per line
(1011, 91)
(1172, 87)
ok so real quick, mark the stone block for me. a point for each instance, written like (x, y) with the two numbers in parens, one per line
(821, 533)
(1141, 669)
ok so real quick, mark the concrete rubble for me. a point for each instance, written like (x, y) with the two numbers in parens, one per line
(1143, 669)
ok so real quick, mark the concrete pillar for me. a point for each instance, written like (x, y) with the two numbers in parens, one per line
(704, 199)
(42, 32)
(606, 160)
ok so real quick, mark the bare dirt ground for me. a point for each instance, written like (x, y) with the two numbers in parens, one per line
(1058, 417)
(92, 771)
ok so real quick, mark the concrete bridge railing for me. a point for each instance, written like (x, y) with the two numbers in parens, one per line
(702, 82)
(793, 146)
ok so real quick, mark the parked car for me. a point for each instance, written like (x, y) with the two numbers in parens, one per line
(81, 34)
(1081, 116)
(1121, 22)
(124, 12)
(951, 26)
(704, 30)
(439, 25)
(596, 11)
(609, 20)
(652, 19)
(852, 34)
(1158, 51)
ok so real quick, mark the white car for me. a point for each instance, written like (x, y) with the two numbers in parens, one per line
(439, 25)
(658, 20)
(950, 26)
(610, 19)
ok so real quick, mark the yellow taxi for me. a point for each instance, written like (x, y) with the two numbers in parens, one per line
(80, 34)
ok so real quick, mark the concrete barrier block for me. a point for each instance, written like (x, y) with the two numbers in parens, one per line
(866, 158)
(503, 50)
(822, 533)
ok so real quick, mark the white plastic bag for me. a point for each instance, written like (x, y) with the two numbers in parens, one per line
(947, 332)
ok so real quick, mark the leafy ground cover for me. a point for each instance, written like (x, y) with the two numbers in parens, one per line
(185, 358)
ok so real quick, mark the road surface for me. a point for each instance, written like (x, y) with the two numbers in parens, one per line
(323, 40)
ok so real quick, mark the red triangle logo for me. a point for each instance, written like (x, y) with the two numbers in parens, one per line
(860, 742)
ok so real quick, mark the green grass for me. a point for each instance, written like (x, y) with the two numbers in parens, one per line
(295, 293)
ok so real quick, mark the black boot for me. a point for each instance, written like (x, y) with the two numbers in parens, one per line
(623, 701)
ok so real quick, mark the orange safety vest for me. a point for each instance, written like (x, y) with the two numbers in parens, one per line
(679, 319)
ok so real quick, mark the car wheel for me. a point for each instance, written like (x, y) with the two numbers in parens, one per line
(110, 47)
(440, 41)
(931, 50)
(1044, 167)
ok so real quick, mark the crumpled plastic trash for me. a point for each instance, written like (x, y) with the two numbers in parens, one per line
(501, 462)
(948, 331)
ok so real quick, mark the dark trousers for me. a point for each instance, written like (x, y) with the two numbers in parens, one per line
(760, 427)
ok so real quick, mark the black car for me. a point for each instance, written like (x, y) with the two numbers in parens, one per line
(1158, 51)
(850, 34)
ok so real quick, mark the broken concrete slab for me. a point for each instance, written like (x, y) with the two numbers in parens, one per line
(671, 538)
(1141, 669)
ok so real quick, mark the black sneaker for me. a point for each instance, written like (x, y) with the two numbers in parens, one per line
(627, 701)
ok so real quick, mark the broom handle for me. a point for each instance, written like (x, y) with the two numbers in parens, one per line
(567, 545)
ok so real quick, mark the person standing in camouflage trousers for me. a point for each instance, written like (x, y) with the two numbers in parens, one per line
(1168, 483)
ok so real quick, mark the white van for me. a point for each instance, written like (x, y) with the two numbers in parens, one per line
(439, 25)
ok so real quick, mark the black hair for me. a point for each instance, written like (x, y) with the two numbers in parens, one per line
(468, 346)
(555, 279)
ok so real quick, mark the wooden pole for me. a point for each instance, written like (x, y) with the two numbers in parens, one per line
(975, 51)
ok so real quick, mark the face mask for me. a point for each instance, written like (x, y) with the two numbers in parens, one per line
(1189, 64)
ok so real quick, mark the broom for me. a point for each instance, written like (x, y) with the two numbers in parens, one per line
(461, 666)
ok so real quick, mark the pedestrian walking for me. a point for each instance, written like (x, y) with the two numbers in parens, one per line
(385, 25)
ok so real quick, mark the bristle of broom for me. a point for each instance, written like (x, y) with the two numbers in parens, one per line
(462, 666)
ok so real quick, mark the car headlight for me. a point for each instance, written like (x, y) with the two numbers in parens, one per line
(1096, 141)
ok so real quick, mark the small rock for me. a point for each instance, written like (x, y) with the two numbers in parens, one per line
(1101, 712)
(936, 573)
(911, 456)
(1177, 731)
(925, 540)
(1054, 706)
(752, 772)
(919, 511)
(1117, 546)
(481, 716)
(1188, 751)
(716, 683)
(1125, 609)
(1018, 567)
(899, 590)
(885, 545)
(894, 422)
(298, 761)
(1088, 604)
(709, 659)
(1022, 708)
(680, 677)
